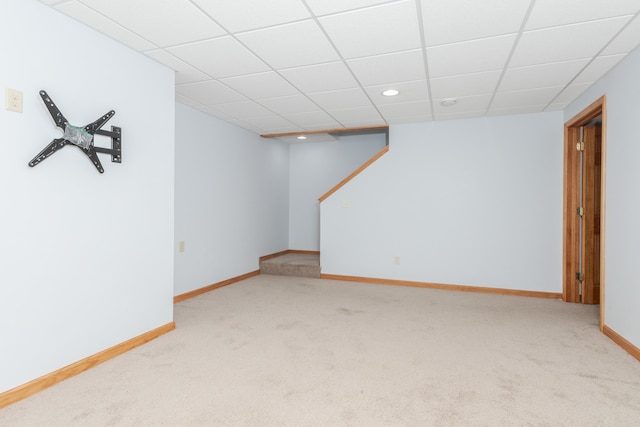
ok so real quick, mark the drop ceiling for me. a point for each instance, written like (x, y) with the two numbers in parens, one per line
(301, 65)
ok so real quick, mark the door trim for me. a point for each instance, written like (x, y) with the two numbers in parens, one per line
(571, 199)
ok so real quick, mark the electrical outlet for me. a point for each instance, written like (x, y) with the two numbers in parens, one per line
(181, 246)
(13, 100)
(396, 260)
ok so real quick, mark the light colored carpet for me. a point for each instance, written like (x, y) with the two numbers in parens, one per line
(288, 351)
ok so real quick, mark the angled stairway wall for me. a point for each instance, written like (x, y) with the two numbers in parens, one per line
(474, 202)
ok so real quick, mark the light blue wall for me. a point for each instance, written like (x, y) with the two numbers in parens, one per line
(231, 204)
(467, 202)
(622, 229)
(315, 168)
(86, 258)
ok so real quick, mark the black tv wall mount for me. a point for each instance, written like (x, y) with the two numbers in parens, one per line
(81, 137)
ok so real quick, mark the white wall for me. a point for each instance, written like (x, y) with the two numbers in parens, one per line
(622, 229)
(231, 199)
(86, 258)
(466, 202)
(315, 168)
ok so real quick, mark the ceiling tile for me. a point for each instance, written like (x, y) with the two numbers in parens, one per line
(598, 68)
(313, 120)
(97, 21)
(324, 126)
(551, 13)
(527, 109)
(243, 110)
(465, 84)
(389, 68)
(409, 91)
(569, 42)
(464, 104)
(524, 98)
(209, 92)
(459, 20)
(290, 104)
(412, 110)
(363, 123)
(185, 73)
(626, 41)
(262, 85)
(321, 77)
(318, 137)
(215, 112)
(407, 119)
(273, 124)
(326, 7)
(545, 75)
(555, 107)
(290, 45)
(242, 124)
(461, 115)
(243, 15)
(188, 101)
(337, 99)
(469, 57)
(363, 116)
(380, 29)
(571, 92)
(171, 23)
(220, 57)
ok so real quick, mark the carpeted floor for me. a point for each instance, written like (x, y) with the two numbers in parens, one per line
(289, 351)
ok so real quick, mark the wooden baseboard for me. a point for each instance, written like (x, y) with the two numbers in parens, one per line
(32, 387)
(622, 342)
(462, 288)
(276, 254)
(209, 288)
(298, 251)
(288, 251)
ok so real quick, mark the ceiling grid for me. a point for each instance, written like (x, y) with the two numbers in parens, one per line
(304, 65)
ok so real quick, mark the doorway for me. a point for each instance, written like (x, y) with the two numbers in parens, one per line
(584, 197)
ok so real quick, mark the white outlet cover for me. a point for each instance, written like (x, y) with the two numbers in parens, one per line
(13, 100)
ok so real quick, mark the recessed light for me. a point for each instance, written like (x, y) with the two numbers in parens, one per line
(448, 102)
(390, 92)
(302, 137)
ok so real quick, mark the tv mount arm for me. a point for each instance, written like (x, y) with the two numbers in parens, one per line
(81, 137)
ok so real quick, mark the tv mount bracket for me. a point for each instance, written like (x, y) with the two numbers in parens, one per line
(81, 137)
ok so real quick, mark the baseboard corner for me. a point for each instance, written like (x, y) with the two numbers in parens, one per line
(34, 386)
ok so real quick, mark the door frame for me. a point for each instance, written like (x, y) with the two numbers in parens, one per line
(571, 200)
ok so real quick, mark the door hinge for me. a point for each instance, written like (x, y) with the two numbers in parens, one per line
(580, 146)
(580, 211)
(580, 276)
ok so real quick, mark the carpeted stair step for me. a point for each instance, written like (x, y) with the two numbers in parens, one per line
(300, 265)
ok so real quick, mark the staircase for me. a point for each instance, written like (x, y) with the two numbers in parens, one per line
(292, 264)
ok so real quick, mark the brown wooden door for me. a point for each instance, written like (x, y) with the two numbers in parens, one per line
(591, 173)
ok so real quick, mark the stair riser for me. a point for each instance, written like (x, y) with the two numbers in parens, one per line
(290, 270)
